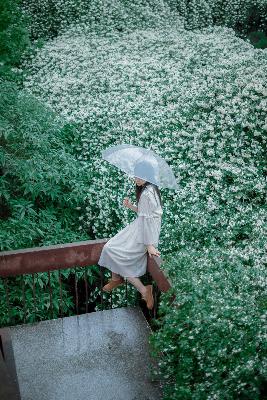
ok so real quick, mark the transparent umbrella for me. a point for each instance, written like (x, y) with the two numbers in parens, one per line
(140, 162)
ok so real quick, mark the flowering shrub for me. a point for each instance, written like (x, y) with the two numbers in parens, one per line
(199, 99)
(49, 18)
(214, 335)
(242, 15)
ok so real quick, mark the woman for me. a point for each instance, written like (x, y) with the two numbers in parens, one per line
(125, 254)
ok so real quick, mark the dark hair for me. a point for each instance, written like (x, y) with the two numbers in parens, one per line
(139, 190)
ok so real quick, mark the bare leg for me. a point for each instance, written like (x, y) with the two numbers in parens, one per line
(138, 284)
(115, 277)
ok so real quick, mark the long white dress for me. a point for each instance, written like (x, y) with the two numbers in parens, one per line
(126, 252)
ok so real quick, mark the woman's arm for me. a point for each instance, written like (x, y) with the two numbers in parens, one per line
(128, 204)
(152, 250)
(134, 208)
(148, 225)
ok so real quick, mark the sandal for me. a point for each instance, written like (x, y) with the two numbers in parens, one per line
(148, 297)
(112, 284)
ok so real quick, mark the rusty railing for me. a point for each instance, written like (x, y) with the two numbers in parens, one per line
(59, 257)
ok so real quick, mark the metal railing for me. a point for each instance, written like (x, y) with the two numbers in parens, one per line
(62, 256)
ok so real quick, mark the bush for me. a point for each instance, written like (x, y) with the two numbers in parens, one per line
(42, 181)
(213, 338)
(259, 39)
(241, 15)
(14, 38)
(36, 307)
(195, 101)
(48, 19)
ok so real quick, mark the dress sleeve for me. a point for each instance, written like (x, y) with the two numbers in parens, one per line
(149, 226)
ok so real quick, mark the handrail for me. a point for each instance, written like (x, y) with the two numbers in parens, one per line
(62, 256)
(48, 258)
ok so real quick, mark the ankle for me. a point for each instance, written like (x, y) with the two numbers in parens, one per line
(143, 291)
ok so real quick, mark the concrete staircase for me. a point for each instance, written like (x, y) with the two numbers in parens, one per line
(102, 355)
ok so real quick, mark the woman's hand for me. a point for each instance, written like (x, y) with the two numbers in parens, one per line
(127, 203)
(152, 251)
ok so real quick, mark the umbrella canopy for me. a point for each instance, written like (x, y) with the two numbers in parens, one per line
(140, 162)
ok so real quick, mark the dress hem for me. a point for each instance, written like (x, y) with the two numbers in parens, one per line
(135, 276)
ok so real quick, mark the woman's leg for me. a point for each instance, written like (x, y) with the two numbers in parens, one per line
(138, 284)
(115, 277)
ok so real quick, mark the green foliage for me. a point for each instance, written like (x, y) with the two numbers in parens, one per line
(34, 291)
(211, 343)
(14, 38)
(42, 182)
(259, 39)
(37, 307)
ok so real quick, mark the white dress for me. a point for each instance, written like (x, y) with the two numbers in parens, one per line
(126, 252)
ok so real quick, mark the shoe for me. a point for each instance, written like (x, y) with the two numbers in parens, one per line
(112, 284)
(148, 297)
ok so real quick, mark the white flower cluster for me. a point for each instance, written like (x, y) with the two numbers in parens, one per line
(49, 18)
(214, 341)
